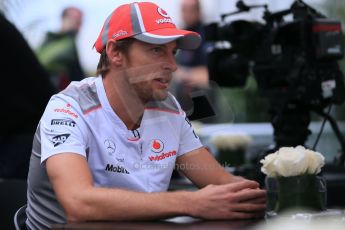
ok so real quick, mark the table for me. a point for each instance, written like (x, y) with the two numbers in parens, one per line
(169, 224)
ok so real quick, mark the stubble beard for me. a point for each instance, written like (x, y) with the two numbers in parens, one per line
(143, 91)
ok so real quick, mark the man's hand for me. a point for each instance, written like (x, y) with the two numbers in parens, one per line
(238, 200)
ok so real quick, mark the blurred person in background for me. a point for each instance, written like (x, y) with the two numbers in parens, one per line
(193, 63)
(58, 53)
(25, 92)
(192, 74)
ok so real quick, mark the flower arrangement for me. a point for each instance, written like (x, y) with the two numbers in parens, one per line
(231, 148)
(292, 181)
(231, 141)
(290, 161)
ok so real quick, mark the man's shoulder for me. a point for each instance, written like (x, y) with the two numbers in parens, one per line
(84, 93)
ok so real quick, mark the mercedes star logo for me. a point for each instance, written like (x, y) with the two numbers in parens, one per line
(110, 146)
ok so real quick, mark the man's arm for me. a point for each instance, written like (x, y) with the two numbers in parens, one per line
(82, 201)
(203, 169)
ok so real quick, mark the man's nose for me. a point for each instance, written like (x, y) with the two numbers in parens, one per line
(170, 63)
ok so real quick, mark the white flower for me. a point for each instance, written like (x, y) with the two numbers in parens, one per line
(268, 165)
(316, 161)
(289, 161)
(231, 141)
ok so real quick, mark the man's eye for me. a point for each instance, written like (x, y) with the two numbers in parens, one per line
(157, 49)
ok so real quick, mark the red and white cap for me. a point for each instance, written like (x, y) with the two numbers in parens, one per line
(146, 22)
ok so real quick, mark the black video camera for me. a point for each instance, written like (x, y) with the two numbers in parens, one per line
(290, 60)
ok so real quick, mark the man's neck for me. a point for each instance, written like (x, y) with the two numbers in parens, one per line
(127, 107)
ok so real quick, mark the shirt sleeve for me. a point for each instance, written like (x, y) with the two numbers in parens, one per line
(189, 141)
(62, 128)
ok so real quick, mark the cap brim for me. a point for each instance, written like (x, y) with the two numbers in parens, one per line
(185, 39)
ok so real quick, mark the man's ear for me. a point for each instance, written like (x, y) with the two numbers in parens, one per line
(115, 57)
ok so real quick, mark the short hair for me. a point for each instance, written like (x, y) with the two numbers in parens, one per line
(103, 63)
(68, 9)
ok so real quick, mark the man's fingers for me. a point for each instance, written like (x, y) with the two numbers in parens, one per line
(248, 207)
(258, 200)
(248, 194)
(246, 215)
(245, 184)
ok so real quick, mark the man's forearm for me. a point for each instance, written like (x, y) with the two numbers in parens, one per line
(118, 204)
(202, 169)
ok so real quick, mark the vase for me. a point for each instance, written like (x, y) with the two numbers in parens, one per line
(305, 192)
(231, 158)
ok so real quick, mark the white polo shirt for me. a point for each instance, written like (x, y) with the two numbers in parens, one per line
(81, 120)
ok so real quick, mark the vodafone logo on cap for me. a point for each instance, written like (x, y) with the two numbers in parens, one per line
(157, 146)
(165, 19)
(163, 12)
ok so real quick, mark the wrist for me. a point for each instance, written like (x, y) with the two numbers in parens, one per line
(186, 201)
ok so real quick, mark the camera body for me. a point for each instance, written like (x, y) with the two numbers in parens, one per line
(293, 61)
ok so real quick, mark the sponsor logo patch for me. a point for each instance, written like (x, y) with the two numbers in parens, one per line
(162, 156)
(60, 139)
(67, 110)
(116, 169)
(119, 33)
(109, 146)
(166, 18)
(111, 150)
(162, 12)
(157, 146)
(66, 122)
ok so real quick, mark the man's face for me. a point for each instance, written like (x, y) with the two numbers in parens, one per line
(73, 20)
(149, 68)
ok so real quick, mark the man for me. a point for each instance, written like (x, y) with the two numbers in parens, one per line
(59, 54)
(193, 63)
(191, 81)
(105, 147)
